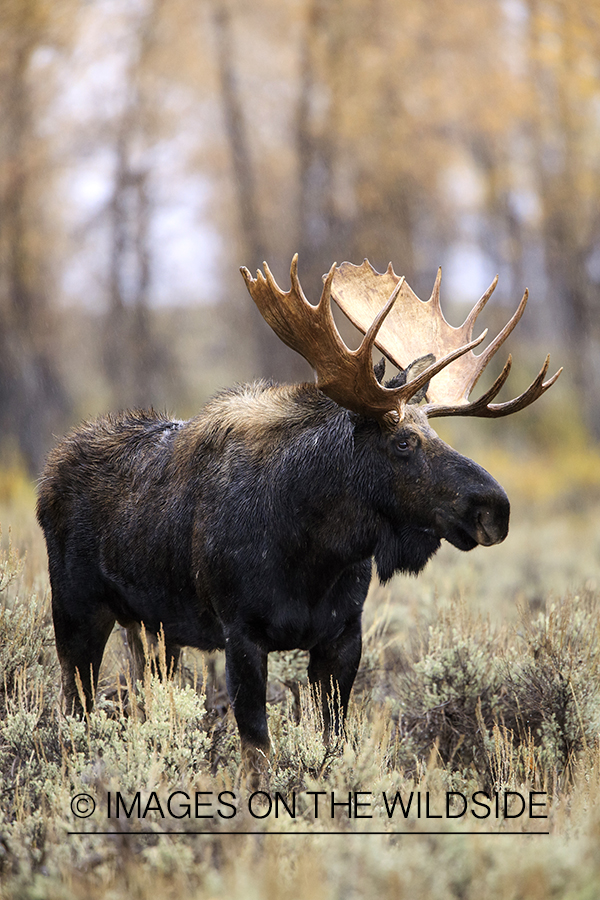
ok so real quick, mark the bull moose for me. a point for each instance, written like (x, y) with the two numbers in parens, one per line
(252, 527)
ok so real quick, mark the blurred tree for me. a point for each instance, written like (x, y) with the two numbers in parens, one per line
(397, 110)
(253, 247)
(325, 222)
(32, 396)
(336, 128)
(136, 360)
(564, 56)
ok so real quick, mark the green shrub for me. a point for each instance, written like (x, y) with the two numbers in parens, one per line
(509, 711)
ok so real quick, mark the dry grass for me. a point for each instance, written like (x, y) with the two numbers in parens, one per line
(483, 674)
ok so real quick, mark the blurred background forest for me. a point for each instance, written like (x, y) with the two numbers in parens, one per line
(148, 148)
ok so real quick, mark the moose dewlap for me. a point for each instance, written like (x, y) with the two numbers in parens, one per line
(253, 526)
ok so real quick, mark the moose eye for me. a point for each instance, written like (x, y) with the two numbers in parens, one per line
(402, 446)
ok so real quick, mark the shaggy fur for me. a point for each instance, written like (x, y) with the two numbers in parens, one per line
(250, 528)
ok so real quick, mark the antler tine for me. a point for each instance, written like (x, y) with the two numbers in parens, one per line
(482, 407)
(489, 351)
(294, 277)
(470, 320)
(432, 410)
(533, 392)
(435, 293)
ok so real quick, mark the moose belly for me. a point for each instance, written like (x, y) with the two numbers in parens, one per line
(301, 621)
(302, 629)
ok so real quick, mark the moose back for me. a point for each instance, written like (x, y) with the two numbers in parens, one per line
(252, 527)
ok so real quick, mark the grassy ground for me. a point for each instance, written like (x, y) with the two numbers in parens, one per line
(480, 675)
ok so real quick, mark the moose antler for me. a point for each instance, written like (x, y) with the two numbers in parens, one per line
(416, 327)
(345, 375)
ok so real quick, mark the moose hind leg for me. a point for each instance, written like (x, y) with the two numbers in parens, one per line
(148, 651)
(80, 643)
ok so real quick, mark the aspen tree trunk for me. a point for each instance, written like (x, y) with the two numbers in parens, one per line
(33, 401)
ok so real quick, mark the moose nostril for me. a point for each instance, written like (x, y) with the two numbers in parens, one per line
(492, 525)
(483, 523)
(483, 517)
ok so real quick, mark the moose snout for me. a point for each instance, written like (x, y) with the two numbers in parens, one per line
(488, 513)
(481, 518)
(479, 511)
(491, 522)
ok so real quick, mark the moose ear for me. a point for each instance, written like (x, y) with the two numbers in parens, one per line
(409, 374)
(414, 370)
(379, 370)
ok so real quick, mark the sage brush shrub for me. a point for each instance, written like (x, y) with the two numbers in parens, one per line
(474, 698)
(497, 706)
(452, 683)
(25, 627)
(25, 642)
(555, 682)
(169, 741)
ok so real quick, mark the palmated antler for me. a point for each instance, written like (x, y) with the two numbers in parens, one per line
(415, 327)
(345, 375)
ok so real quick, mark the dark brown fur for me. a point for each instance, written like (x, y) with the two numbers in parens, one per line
(249, 528)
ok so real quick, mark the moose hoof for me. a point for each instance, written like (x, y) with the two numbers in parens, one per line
(255, 766)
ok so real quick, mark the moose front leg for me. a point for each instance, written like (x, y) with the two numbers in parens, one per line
(331, 673)
(246, 670)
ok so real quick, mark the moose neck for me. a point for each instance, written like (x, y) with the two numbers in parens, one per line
(329, 473)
